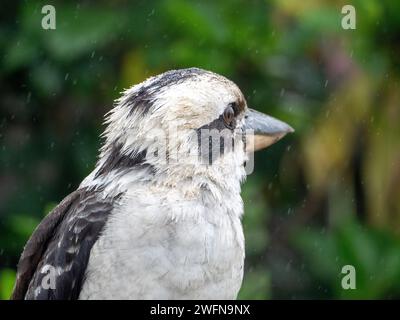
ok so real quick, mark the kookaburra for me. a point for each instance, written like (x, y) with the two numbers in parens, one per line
(160, 215)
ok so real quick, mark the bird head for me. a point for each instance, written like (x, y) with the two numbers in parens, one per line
(187, 124)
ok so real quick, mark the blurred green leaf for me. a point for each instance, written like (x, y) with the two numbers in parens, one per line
(7, 279)
(255, 286)
(373, 254)
(22, 225)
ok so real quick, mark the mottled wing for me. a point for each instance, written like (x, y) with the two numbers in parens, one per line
(55, 258)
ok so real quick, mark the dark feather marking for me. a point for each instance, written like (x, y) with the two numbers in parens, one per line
(118, 160)
(215, 147)
(143, 98)
(76, 223)
(36, 245)
(217, 124)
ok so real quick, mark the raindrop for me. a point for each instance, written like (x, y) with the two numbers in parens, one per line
(327, 113)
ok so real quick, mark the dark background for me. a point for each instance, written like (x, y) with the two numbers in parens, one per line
(324, 197)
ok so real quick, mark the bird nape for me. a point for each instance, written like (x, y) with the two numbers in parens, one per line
(160, 215)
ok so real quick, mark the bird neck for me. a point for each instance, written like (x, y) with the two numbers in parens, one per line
(192, 182)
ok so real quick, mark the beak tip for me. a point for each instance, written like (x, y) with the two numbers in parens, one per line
(285, 129)
(265, 129)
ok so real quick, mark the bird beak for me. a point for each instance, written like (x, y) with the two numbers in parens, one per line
(262, 130)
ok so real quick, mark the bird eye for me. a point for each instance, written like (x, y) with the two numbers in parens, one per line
(229, 116)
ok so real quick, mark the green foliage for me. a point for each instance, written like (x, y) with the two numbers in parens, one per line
(7, 278)
(256, 285)
(257, 282)
(373, 253)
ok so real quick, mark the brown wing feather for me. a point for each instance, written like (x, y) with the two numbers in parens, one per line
(37, 244)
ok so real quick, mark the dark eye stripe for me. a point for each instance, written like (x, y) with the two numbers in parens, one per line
(235, 108)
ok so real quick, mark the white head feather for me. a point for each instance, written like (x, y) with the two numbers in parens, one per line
(161, 117)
